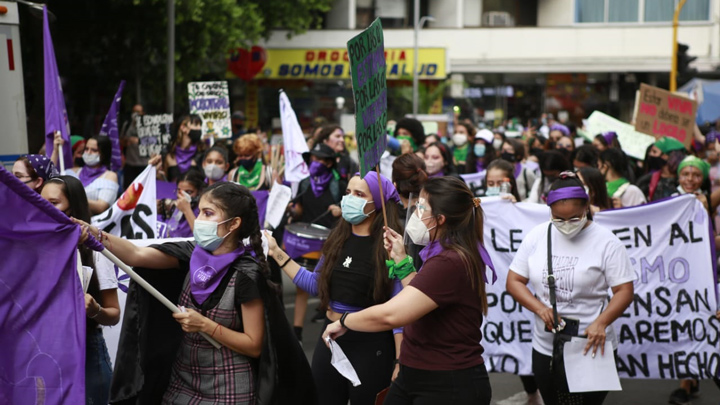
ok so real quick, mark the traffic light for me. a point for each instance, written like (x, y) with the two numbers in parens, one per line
(684, 60)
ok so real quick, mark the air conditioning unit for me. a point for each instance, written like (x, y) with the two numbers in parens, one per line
(498, 19)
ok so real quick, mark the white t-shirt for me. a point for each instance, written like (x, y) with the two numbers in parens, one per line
(630, 196)
(104, 269)
(585, 268)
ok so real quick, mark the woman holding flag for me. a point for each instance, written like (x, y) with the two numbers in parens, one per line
(225, 295)
(67, 194)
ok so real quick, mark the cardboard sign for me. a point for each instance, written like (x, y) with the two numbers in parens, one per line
(661, 113)
(154, 133)
(211, 101)
(367, 62)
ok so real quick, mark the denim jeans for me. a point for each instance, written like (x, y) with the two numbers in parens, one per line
(98, 370)
(470, 386)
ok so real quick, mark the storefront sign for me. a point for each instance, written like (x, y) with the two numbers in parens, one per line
(369, 83)
(333, 63)
(662, 113)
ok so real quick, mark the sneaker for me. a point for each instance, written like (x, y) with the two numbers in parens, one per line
(679, 397)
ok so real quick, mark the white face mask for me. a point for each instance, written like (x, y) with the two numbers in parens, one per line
(213, 172)
(570, 228)
(459, 139)
(418, 232)
(91, 159)
(497, 144)
(433, 167)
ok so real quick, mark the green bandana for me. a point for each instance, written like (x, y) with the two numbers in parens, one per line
(409, 139)
(693, 161)
(251, 179)
(460, 153)
(613, 186)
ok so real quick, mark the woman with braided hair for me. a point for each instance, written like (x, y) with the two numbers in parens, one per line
(227, 296)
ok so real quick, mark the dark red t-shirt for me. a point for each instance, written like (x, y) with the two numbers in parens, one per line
(447, 338)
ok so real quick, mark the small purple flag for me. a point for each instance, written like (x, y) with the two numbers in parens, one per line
(56, 118)
(110, 128)
(42, 343)
(261, 197)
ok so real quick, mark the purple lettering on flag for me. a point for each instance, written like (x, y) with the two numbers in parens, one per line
(56, 117)
(261, 197)
(42, 344)
(110, 129)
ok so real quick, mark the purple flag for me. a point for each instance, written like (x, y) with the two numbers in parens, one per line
(110, 128)
(165, 189)
(42, 309)
(56, 118)
(261, 197)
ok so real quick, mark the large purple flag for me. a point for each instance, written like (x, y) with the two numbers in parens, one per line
(56, 118)
(110, 128)
(42, 306)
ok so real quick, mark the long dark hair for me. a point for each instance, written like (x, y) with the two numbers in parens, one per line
(552, 160)
(463, 227)
(79, 208)
(449, 167)
(105, 149)
(235, 200)
(409, 174)
(595, 182)
(471, 161)
(509, 170)
(186, 119)
(336, 240)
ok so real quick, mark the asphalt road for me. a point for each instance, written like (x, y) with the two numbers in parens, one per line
(507, 389)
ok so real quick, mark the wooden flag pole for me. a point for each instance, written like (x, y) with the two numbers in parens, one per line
(382, 197)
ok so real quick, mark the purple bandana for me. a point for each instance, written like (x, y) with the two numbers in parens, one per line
(184, 157)
(560, 127)
(389, 191)
(43, 166)
(435, 248)
(609, 136)
(88, 174)
(320, 176)
(566, 193)
(207, 270)
(518, 170)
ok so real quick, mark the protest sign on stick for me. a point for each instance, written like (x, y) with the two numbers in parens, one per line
(662, 113)
(154, 133)
(367, 66)
(211, 101)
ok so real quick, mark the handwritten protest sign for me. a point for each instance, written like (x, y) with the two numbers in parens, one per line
(669, 331)
(662, 113)
(211, 101)
(633, 143)
(154, 133)
(367, 64)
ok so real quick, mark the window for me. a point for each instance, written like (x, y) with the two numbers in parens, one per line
(629, 11)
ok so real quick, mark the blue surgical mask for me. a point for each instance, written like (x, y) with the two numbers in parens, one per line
(205, 233)
(492, 191)
(479, 150)
(353, 209)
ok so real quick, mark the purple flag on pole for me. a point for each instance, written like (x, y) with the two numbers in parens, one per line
(110, 129)
(56, 118)
(42, 309)
(261, 197)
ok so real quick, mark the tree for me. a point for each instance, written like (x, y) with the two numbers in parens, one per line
(99, 43)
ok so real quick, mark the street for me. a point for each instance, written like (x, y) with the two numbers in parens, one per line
(506, 387)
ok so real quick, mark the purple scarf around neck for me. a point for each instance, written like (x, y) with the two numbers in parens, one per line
(438, 174)
(89, 174)
(184, 157)
(518, 170)
(208, 270)
(435, 248)
(480, 165)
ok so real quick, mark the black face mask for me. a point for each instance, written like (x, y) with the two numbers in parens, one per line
(247, 164)
(655, 163)
(79, 162)
(536, 151)
(195, 135)
(510, 157)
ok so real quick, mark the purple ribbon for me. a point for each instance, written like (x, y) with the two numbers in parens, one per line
(435, 248)
(207, 271)
(296, 246)
(566, 193)
(89, 174)
(184, 157)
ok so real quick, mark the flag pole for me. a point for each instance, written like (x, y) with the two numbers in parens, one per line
(382, 198)
(152, 290)
(61, 158)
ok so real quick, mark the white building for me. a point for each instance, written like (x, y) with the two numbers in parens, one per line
(518, 57)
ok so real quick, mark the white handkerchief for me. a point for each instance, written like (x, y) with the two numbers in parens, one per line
(586, 373)
(342, 364)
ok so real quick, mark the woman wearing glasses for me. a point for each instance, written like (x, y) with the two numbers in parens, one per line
(587, 261)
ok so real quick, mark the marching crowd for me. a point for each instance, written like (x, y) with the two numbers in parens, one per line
(402, 271)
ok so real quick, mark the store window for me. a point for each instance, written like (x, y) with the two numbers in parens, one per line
(633, 11)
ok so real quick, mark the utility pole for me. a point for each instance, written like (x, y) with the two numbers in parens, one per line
(673, 67)
(170, 101)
